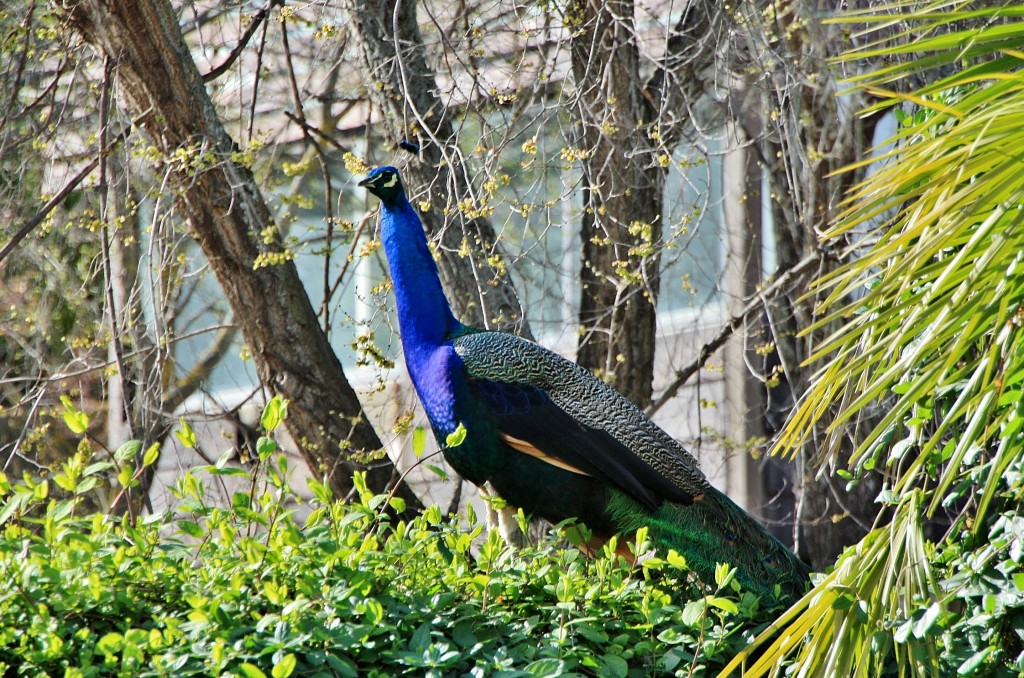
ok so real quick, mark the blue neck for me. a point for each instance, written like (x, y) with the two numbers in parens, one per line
(424, 317)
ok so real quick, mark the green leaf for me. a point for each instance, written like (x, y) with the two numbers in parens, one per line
(228, 471)
(723, 604)
(65, 482)
(251, 671)
(924, 625)
(151, 455)
(456, 437)
(265, 447)
(674, 559)
(546, 668)
(342, 666)
(437, 471)
(693, 611)
(419, 440)
(111, 643)
(124, 476)
(592, 633)
(191, 528)
(274, 413)
(724, 574)
(614, 666)
(975, 661)
(320, 491)
(97, 468)
(14, 505)
(127, 451)
(186, 434)
(284, 668)
(76, 420)
(224, 458)
(87, 485)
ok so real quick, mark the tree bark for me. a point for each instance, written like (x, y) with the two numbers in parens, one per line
(404, 88)
(623, 183)
(163, 89)
(805, 135)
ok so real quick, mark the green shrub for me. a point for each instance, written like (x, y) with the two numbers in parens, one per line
(247, 591)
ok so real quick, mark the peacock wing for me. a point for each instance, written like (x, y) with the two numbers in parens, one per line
(550, 408)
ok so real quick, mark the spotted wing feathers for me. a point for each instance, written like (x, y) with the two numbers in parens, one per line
(550, 407)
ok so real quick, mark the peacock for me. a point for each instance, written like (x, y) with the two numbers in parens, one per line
(555, 440)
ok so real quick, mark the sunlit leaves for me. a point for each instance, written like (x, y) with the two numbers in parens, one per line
(75, 419)
(186, 434)
(274, 413)
(456, 437)
(211, 591)
(128, 450)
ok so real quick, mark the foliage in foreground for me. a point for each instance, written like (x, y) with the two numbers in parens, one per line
(248, 591)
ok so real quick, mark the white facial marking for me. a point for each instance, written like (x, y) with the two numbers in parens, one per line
(390, 182)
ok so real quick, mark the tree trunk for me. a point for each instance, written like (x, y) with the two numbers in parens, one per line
(163, 89)
(805, 136)
(623, 182)
(131, 403)
(404, 88)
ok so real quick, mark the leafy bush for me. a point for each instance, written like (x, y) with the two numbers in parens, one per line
(247, 591)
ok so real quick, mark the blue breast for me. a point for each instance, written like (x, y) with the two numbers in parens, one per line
(440, 380)
(433, 371)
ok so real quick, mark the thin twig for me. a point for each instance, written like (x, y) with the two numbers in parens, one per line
(104, 187)
(308, 127)
(349, 257)
(735, 322)
(325, 306)
(187, 385)
(256, 81)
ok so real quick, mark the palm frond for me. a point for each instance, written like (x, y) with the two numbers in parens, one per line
(930, 310)
(844, 626)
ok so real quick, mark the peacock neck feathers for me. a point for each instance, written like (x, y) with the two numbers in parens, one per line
(424, 317)
(425, 320)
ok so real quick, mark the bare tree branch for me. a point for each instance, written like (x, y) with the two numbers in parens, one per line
(243, 42)
(57, 199)
(778, 286)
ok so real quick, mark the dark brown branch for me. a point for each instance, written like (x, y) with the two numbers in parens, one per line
(777, 286)
(48, 207)
(243, 42)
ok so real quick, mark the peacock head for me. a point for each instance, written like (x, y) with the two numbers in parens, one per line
(384, 183)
